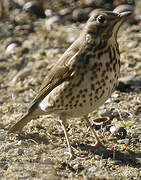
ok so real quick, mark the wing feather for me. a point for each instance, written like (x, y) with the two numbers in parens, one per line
(61, 72)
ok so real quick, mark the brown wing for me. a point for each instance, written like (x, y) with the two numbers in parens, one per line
(59, 73)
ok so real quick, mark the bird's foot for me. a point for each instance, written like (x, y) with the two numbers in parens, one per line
(99, 145)
(74, 156)
(71, 154)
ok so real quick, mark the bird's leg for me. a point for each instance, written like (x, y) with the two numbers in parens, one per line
(98, 142)
(63, 123)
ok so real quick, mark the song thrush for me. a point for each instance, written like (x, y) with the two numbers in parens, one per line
(84, 77)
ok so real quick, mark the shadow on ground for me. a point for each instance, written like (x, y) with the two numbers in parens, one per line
(125, 158)
(129, 158)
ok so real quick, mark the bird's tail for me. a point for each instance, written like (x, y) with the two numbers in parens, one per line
(20, 124)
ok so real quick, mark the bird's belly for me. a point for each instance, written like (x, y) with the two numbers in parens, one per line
(78, 97)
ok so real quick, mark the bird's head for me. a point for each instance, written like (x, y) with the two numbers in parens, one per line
(104, 24)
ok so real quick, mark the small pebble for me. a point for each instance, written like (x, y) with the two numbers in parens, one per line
(106, 113)
(50, 21)
(21, 75)
(20, 151)
(47, 161)
(35, 8)
(12, 47)
(134, 135)
(78, 167)
(92, 169)
(106, 128)
(117, 131)
(123, 141)
(132, 44)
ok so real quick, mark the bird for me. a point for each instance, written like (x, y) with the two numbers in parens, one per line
(83, 78)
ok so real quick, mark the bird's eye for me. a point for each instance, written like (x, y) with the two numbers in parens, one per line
(101, 19)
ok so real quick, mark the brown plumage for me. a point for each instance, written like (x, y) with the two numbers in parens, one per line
(84, 77)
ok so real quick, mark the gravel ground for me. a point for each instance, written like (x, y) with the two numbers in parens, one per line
(27, 52)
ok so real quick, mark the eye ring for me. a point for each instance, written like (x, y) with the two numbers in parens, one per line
(101, 19)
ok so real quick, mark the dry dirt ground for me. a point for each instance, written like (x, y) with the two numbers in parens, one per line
(27, 53)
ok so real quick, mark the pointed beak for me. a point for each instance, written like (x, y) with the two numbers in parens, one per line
(124, 15)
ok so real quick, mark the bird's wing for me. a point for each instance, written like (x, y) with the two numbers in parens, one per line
(59, 73)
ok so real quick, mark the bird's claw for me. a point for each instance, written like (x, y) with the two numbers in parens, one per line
(74, 156)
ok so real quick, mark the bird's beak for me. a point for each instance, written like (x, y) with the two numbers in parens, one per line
(124, 15)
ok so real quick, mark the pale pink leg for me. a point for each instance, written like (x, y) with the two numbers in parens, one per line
(72, 155)
(98, 142)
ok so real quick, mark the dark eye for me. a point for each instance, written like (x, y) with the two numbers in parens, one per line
(101, 19)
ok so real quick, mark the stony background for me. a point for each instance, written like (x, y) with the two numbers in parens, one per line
(33, 35)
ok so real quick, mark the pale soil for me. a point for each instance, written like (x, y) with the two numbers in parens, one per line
(39, 153)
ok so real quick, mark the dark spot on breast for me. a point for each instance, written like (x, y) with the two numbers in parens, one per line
(78, 96)
(107, 65)
(80, 104)
(96, 97)
(70, 102)
(102, 80)
(83, 96)
(104, 84)
(112, 54)
(100, 46)
(62, 102)
(72, 98)
(114, 65)
(79, 82)
(99, 55)
(95, 74)
(85, 90)
(115, 75)
(87, 59)
(111, 69)
(97, 83)
(101, 94)
(106, 77)
(96, 91)
(70, 94)
(103, 73)
(100, 64)
(95, 65)
(90, 94)
(76, 101)
(92, 87)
